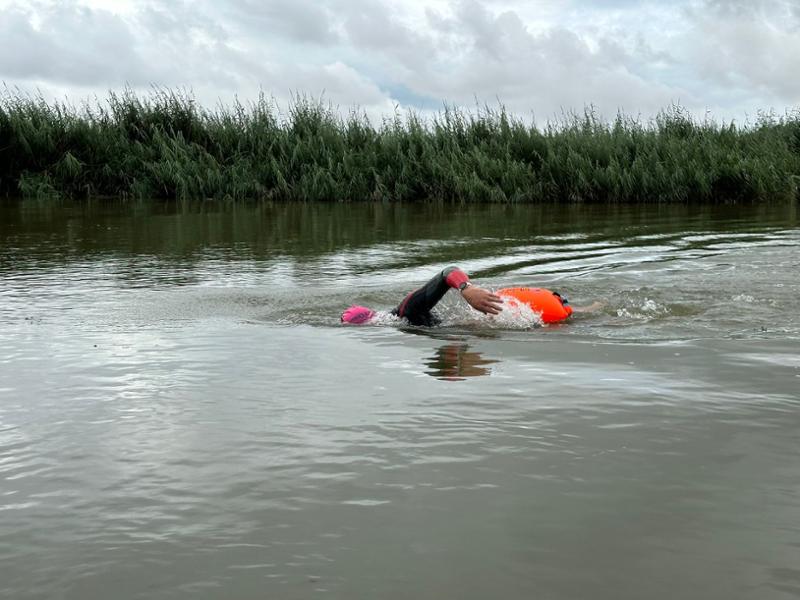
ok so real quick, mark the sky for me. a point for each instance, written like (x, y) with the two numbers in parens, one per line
(728, 59)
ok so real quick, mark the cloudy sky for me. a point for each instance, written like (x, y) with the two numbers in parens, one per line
(538, 57)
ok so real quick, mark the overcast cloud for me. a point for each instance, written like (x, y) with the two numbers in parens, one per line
(730, 57)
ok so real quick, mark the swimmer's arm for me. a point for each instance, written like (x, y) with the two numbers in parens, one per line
(593, 307)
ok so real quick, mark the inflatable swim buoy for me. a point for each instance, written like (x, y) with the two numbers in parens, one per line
(551, 305)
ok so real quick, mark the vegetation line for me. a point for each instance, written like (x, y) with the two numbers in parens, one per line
(166, 146)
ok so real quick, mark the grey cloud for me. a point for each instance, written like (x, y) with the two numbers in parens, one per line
(540, 71)
(708, 53)
(300, 20)
(375, 27)
(70, 43)
(731, 7)
(176, 19)
(751, 46)
(613, 4)
(783, 12)
(184, 45)
(727, 54)
(395, 46)
(472, 29)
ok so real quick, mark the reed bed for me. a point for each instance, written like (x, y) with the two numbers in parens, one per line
(166, 146)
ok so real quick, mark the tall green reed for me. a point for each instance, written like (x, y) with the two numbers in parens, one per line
(165, 145)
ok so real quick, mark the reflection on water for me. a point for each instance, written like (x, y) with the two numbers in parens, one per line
(183, 416)
(455, 362)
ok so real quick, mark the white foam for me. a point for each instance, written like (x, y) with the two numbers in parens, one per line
(643, 310)
(513, 316)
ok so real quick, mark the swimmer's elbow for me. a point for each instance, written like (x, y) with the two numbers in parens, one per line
(454, 277)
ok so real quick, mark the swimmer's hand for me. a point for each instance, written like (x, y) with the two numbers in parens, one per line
(593, 307)
(482, 300)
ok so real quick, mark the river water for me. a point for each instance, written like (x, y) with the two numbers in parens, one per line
(182, 415)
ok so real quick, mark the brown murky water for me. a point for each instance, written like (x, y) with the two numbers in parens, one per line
(182, 416)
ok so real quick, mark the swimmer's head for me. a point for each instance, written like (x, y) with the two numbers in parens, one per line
(356, 315)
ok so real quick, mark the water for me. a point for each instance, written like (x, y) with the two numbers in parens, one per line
(182, 416)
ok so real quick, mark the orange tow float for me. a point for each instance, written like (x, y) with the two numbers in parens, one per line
(549, 304)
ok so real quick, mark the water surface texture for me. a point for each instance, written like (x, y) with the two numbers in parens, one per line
(182, 416)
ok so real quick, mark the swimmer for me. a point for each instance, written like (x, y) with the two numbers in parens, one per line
(416, 307)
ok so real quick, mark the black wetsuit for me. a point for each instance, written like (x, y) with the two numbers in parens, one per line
(416, 307)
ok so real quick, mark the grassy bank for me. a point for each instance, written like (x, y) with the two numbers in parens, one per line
(166, 146)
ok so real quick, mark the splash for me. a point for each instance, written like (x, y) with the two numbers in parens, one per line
(645, 309)
(384, 318)
(455, 312)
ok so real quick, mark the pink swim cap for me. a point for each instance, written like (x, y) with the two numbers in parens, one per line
(357, 315)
